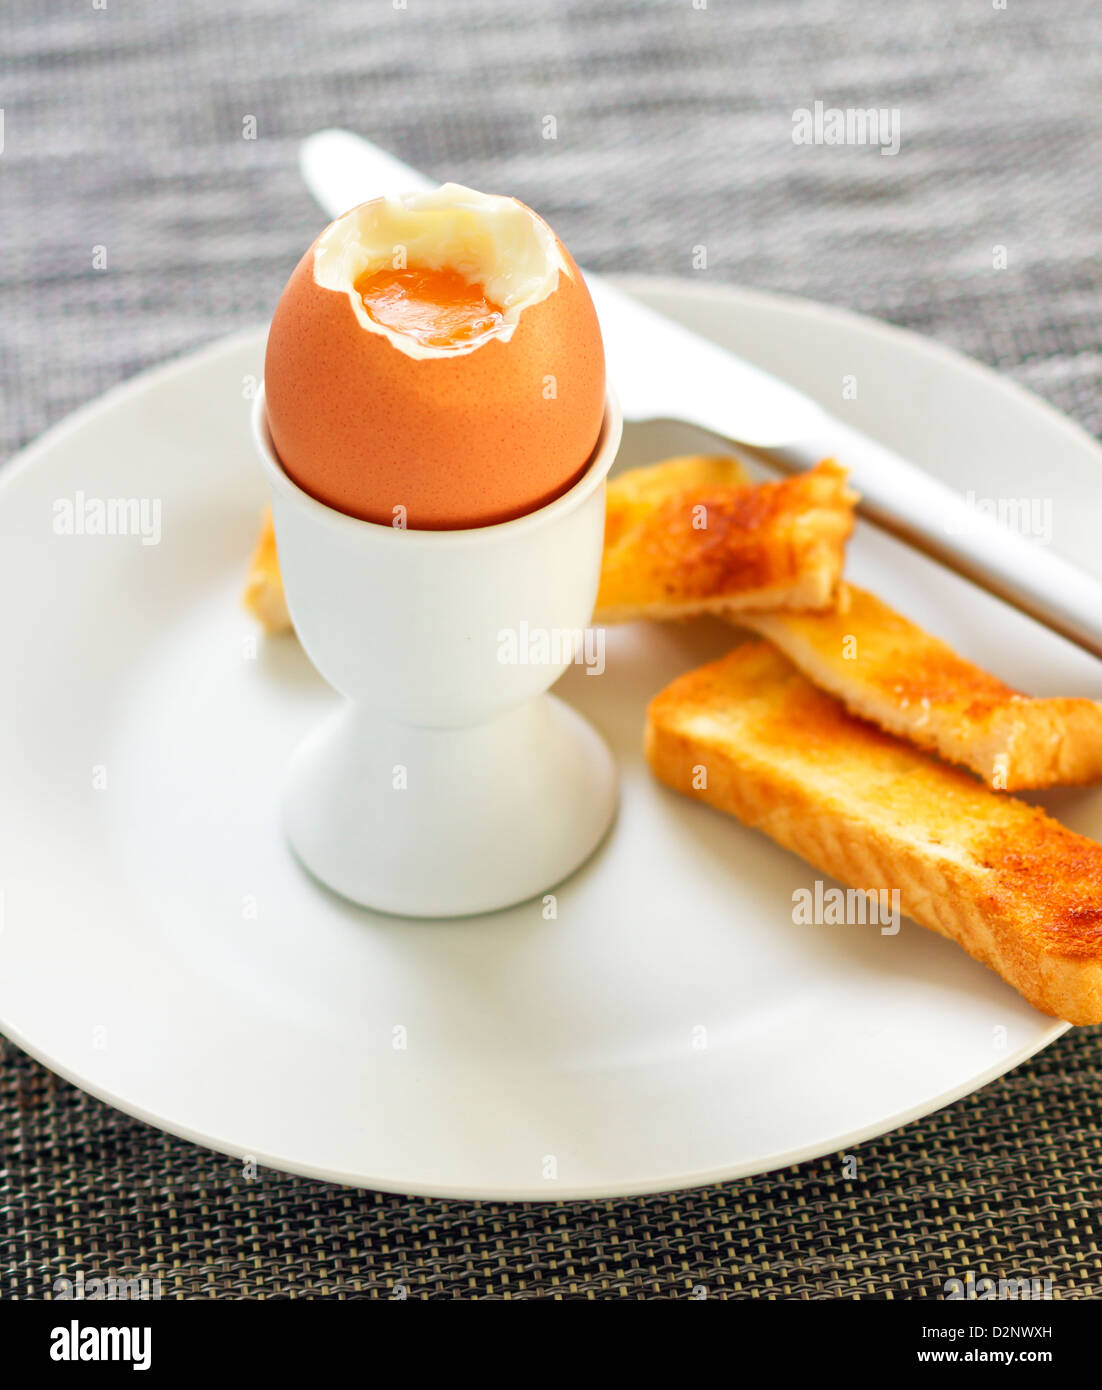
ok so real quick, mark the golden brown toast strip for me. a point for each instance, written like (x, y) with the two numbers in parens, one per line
(690, 535)
(887, 669)
(1017, 890)
(674, 551)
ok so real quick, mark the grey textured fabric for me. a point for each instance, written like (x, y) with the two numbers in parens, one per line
(124, 129)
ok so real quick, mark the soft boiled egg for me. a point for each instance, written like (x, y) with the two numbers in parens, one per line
(435, 362)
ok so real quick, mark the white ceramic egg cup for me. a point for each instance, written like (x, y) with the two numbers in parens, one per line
(450, 783)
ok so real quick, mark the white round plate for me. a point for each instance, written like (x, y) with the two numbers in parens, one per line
(671, 1026)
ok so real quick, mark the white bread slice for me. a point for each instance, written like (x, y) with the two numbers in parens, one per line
(1020, 892)
(887, 669)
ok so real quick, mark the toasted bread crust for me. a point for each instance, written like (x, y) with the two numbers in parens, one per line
(1017, 890)
(263, 595)
(677, 543)
(887, 669)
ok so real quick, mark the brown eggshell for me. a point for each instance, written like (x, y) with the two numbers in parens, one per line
(465, 440)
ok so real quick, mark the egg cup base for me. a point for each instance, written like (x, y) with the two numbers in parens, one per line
(422, 822)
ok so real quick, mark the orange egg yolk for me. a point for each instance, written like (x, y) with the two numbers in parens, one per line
(439, 308)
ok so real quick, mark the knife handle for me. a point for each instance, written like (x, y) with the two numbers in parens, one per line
(935, 519)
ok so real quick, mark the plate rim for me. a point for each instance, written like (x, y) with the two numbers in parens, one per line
(931, 347)
(189, 359)
(581, 1193)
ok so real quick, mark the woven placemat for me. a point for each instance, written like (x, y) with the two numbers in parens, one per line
(1006, 1183)
(125, 144)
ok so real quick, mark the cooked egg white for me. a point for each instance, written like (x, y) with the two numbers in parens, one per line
(494, 242)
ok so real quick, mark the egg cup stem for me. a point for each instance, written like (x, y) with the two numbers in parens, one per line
(448, 782)
(449, 822)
